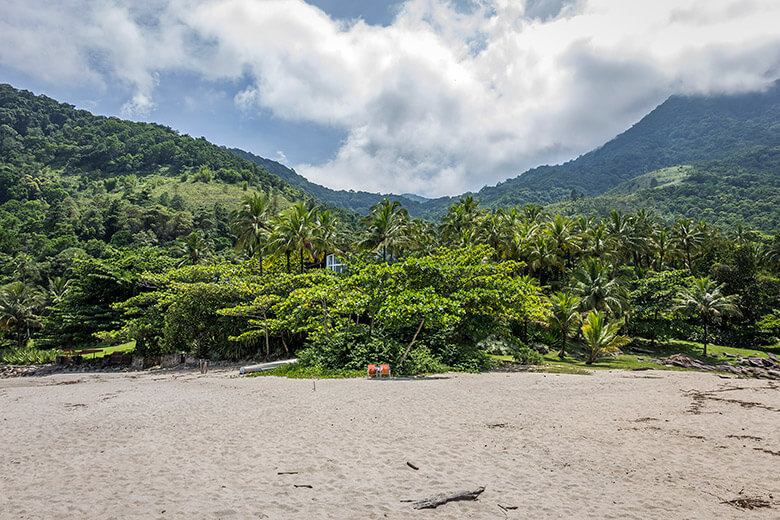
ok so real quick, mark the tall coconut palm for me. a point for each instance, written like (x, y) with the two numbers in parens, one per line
(661, 245)
(421, 236)
(598, 289)
(706, 299)
(562, 238)
(325, 234)
(385, 228)
(627, 242)
(20, 309)
(688, 236)
(491, 231)
(564, 316)
(601, 336)
(458, 225)
(251, 222)
(533, 212)
(595, 240)
(294, 232)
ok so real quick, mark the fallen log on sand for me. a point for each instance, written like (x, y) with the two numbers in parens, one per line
(442, 498)
(262, 367)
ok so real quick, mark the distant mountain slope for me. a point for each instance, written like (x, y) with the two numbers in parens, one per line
(682, 130)
(743, 188)
(679, 131)
(355, 201)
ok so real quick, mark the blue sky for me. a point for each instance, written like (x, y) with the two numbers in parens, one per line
(434, 97)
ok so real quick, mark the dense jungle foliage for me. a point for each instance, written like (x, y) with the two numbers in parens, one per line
(424, 296)
(113, 231)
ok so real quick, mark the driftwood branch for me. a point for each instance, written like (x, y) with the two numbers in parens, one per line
(409, 347)
(442, 498)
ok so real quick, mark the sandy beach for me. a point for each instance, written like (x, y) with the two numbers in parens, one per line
(186, 445)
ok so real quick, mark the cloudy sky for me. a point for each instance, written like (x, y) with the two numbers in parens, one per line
(434, 97)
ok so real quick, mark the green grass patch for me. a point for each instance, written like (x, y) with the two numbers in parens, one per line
(104, 350)
(202, 194)
(574, 362)
(547, 366)
(296, 371)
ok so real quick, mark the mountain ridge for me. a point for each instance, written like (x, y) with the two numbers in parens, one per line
(681, 130)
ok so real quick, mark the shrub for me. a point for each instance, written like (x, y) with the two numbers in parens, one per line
(27, 356)
(526, 355)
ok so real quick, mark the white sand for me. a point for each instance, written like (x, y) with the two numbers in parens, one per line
(185, 445)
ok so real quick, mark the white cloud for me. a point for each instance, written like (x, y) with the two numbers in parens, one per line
(440, 101)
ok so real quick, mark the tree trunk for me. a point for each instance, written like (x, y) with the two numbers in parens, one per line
(409, 347)
(562, 353)
(705, 338)
(287, 254)
(267, 343)
(301, 260)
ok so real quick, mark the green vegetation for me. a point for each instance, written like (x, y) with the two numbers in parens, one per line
(740, 190)
(297, 371)
(114, 231)
(26, 356)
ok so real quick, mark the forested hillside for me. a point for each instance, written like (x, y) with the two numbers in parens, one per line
(682, 130)
(71, 181)
(741, 190)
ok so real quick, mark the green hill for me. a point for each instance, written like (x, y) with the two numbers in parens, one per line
(70, 179)
(743, 189)
(682, 130)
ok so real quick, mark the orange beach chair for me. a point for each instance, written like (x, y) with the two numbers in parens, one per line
(381, 370)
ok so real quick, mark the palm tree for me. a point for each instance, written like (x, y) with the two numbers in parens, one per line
(294, 232)
(689, 237)
(661, 245)
(706, 299)
(564, 317)
(59, 287)
(533, 212)
(492, 231)
(421, 236)
(196, 249)
(595, 238)
(385, 228)
(458, 225)
(598, 289)
(251, 223)
(601, 336)
(563, 240)
(20, 309)
(326, 234)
